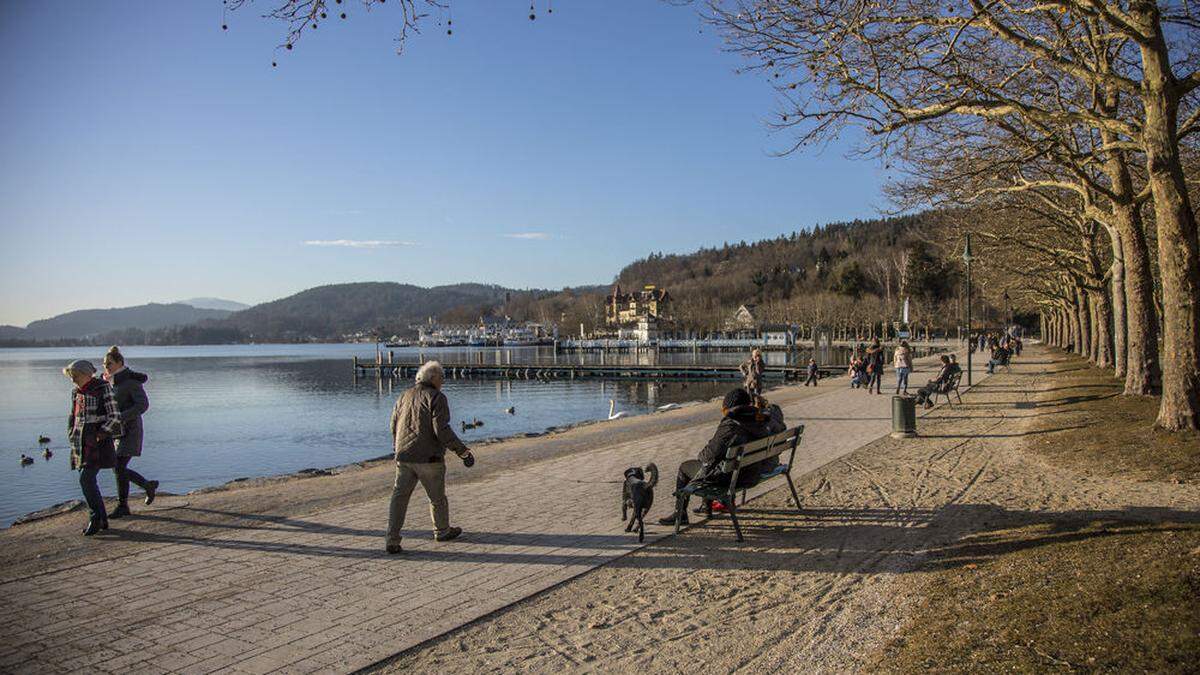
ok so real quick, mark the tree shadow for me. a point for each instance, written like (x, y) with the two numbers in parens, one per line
(811, 539)
(1022, 434)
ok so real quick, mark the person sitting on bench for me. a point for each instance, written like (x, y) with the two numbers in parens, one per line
(925, 394)
(999, 358)
(954, 367)
(742, 423)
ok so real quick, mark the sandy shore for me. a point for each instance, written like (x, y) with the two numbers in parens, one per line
(824, 589)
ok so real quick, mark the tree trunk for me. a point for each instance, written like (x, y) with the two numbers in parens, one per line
(1140, 367)
(1178, 250)
(1083, 330)
(1102, 321)
(1141, 321)
(1117, 288)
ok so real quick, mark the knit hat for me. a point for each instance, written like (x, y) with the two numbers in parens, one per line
(736, 397)
(80, 366)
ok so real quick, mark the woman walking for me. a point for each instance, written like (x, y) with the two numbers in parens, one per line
(132, 403)
(752, 370)
(92, 423)
(902, 362)
(874, 364)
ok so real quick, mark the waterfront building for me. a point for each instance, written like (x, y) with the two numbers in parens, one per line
(627, 310)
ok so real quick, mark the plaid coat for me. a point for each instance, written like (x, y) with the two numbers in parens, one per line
(91, 430)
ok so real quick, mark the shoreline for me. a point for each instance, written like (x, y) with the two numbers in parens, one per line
(73, 505)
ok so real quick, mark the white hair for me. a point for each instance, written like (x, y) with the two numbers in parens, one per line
(428, 371)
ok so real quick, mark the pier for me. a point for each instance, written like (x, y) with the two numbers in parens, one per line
(546, 371)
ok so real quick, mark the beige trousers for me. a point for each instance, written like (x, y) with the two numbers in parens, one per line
(432, 476)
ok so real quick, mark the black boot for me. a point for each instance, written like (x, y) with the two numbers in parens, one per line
(121, 511)
(670, 520)
(151, 488)
(95, 524)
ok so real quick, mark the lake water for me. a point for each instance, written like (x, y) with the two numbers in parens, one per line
(224, 412)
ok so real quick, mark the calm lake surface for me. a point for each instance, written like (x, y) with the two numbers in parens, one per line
(224, 412)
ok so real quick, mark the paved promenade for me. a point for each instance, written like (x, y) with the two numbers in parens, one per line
(317, 593)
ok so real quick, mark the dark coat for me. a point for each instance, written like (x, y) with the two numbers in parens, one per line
(421, 426)
(92, 423)
(740, 425)
(133, 403)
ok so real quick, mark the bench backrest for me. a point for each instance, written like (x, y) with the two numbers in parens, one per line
(952, 383)
(764, 448)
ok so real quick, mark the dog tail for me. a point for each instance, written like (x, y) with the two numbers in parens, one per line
(652, 473)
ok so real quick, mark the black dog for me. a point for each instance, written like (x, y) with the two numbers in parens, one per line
(638, 494)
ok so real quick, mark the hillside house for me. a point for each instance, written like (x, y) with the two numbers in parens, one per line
(650, 305)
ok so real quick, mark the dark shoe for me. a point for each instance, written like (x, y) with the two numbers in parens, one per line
(94, 525)
(151, 489)
(394, 549)
(449, 534)
(670, 520)
(121, 511)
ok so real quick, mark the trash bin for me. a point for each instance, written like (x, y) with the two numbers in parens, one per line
(904, 417)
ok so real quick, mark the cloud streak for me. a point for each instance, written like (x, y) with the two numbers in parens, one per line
(359, 243)
(528, 236)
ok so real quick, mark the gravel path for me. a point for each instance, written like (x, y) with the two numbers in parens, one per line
(824, 590)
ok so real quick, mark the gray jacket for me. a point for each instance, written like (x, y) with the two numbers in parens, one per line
(132, 402)
(421, 426)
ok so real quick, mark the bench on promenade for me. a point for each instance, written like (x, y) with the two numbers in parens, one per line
(737, 458)
(951, 386)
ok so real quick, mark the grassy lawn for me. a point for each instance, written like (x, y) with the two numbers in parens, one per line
(1091, 595)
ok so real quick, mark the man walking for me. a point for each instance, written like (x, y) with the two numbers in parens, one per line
(813, 373)
(421, 434)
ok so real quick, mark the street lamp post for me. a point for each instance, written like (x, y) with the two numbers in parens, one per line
(1008, 313)
(967, 258)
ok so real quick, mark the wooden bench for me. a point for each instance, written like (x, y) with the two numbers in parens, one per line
(951, 386)
(737, 458)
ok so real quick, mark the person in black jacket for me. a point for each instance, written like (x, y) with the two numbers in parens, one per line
(742, 423)
(874, 367)
(133, 403)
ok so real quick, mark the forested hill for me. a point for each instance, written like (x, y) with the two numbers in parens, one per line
(331, 311)
(856, 271)
(91, 322)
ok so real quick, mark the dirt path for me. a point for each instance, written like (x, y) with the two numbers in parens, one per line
(823, 591)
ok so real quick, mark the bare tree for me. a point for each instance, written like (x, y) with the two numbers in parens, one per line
(899, 69)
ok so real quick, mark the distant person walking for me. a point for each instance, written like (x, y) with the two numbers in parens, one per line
(813, 373)
(421, 435)
(902, 362)
(752, 370)
(874, 366)
(92, 423)
(132, 403)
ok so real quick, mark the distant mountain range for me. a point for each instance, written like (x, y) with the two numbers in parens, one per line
(85, 323)
(215, 303)
(321, 313)
(862, 265)
(327, 312)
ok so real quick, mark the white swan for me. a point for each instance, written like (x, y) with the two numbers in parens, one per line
(612, 406)
(669, 406)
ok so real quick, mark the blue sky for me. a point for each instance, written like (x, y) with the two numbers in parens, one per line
(169, 153)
